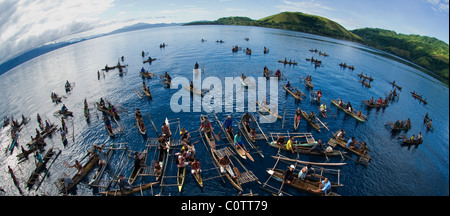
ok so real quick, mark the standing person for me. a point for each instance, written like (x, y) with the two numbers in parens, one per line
(79, 167)
(224, 164)
(166, 131)
(139, 160)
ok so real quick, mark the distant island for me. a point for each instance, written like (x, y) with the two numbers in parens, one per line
(427, 52)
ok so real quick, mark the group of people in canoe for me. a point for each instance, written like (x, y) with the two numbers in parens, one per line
(344, 65)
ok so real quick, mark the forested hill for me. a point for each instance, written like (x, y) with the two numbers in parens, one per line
(429, 53)
(294, 21)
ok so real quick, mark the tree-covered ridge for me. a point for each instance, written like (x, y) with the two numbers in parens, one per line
(428, 52)
(294, 21)
(298, 21)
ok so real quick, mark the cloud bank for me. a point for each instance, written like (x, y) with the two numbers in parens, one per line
(27, 24)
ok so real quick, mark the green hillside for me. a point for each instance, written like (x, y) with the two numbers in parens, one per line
(302, 22)
(294, 21)
(430, 53)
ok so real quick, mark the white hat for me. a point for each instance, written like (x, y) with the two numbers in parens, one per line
(292, 166)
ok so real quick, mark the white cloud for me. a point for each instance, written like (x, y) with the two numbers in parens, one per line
(306, 6)
(439, 5)
(27, 24)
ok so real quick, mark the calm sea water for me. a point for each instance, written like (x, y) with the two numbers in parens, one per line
(393, 170)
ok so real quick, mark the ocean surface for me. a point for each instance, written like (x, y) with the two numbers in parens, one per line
(394, 170)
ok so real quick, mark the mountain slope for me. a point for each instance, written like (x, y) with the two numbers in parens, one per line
(294, 21)
(430, 53)
(298, 21)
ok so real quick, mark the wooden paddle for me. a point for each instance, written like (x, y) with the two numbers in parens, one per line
(235, 169)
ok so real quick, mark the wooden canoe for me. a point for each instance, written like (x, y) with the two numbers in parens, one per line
(419, 97)
(298, 184)
(375, 105)
(315, 125)
(198, 178)
(105, 110)
(395, 85)
(366, 77)
(363, 158)
(87, 168)
(209, 139)
(39, 167)
(292, 93)
(147, 74)
(149, 60)
(411, 142)
(258, 136)
(135, 189)
(234, 181)
(367, 85)
(393, 128)
(264, 108)
(181, 175)
(241, 152)
(146, 93)
(194, 90)
(286, 62)
(134, 174)
(306, 150)
(354, 115)
(143, 131)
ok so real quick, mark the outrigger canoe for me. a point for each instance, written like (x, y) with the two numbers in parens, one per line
(354, 115)
(135, 189)
(277, 174)
(87, 168)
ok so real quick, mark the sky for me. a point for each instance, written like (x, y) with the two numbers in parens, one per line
(28, 24)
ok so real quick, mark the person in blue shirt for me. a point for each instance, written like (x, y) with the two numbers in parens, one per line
(228, 123)
(238, 141)
(142, 70)
(63, 108)
(324, 187)
(288, 85)
(38, 158)
(350, 142)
